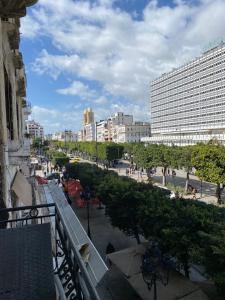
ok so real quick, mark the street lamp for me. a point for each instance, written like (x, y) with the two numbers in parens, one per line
(86, 195)
(96, 143)
(155, 267)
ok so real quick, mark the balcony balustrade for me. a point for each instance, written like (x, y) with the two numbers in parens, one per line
(21, 87)
(14, 8)
(71, 277)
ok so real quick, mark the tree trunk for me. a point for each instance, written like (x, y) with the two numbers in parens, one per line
(218, 193)
(186, 270)
(136, 235)
(187, 182)
(164, 177)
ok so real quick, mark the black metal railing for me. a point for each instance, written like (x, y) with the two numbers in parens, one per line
(69, 265)
(24, 215)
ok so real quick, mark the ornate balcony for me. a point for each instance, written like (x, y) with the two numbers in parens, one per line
(14, 8)
(74, 265)
(11, 26)
(21, 87)
(18, 59)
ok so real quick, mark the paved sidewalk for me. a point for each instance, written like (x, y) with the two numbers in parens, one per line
(208, 189)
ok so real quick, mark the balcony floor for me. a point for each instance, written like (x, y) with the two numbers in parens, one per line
(26, 270)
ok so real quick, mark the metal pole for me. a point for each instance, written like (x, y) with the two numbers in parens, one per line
(96, 143)
(201, 188)
(88, 220)
(65, 140)
(155, 288)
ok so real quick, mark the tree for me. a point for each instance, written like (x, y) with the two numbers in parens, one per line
(37, 143)
(184, 160)
(209, 161)
(122, 197)
(162, 157)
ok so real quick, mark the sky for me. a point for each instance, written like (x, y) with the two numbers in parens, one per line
(103, 54)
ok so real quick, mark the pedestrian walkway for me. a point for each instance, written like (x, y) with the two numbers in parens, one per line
(205, 191)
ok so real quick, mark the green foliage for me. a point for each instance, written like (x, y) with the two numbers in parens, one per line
(60, 161)
(209, 161)
(103, 151)
(190, 231)
(37, 142)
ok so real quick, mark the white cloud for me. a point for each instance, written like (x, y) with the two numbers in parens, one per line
(98, 42)
(79, 89)
(27, 24)
(109, 46)
(101, 100)
(55, 119)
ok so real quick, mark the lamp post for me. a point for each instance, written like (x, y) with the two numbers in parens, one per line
(96, 143)
(155, 267)
(201, 188)
(87, 197)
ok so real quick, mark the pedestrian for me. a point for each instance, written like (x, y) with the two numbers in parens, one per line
(168, 172)
(194, 191)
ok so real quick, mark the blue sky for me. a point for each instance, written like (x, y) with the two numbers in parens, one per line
(104, 53)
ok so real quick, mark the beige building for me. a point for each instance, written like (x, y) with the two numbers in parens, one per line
(88, 116)
(120, 128)
(88, 131)
(14, 109)
(132, 133)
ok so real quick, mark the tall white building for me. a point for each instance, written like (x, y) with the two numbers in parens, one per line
(89, 132)
(188, 104)
(102, 131)
(35, 130)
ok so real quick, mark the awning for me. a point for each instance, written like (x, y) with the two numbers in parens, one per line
(22, 188)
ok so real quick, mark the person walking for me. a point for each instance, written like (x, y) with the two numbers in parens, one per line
(194, 191)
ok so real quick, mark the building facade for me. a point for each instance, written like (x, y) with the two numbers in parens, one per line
(65, 136)
(89, 132)
(14, 109)
(88, 116)
(132, 133)
(120, 128)
(89, 126)
(188, 104)
(102, 131)
(35, 130)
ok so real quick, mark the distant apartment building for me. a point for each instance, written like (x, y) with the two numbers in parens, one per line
(48, 137)
(118, 118)
(88, 131)
(65, 136)
(35, 130)
(88, 117)
(188, 104)
(102, 131)
(133, 132)
(120, 128)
